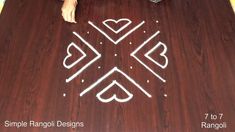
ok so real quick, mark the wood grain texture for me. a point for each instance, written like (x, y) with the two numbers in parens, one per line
(200, 76)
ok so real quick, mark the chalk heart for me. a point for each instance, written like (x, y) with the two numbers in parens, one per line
(73, 46)
(114, 96)
(124, 20)
(162, 54)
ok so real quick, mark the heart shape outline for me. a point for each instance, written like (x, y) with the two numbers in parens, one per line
(69, 54)
(163, 54)
(114, 97)
(116, 22)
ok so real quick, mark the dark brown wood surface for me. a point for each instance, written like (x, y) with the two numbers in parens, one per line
(200, 76)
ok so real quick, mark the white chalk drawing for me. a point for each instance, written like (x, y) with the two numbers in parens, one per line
(70, 55)
(89, 63)
(141, 62)
(163, 54)
(121, 38)
(165, 95)
(117, 21)
(114, 97)
(115, 69)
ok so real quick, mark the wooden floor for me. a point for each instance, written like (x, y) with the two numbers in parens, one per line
(200, 77)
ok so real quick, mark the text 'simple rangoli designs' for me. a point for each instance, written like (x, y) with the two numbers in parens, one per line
(115, 69)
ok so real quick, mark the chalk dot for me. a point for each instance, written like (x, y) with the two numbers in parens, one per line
(101, 42)
(87, 32)
(144, 31)
(130, 43)
(165, 95)
(82, 80)
(148, 81)
(157, 21)
(99, 67)
(64, 94)
(115, 54)
(131, 67)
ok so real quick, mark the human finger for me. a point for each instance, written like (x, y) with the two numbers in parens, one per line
(73, 16)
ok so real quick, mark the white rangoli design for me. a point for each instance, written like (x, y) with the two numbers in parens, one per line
(163, 54)
(120, 20)
(121, 38)
(115, 69)
(70, 55)
(114, 97)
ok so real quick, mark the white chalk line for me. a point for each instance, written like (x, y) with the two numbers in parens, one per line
(142, 63)
(70, 55)
(114, 97)
(115, 69)
(89, 63)
(121, 38)
(145, 42)
(85, 42)
(163, 54)
(117, 21)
